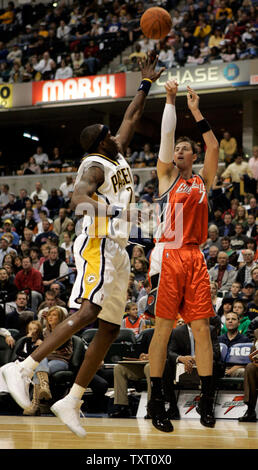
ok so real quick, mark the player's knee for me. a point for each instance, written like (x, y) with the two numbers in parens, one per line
(112, 331)
(88, 313)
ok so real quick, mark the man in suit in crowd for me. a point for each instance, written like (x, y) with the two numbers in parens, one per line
(125, 372)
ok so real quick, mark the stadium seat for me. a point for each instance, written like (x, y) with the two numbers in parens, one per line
(5, 352)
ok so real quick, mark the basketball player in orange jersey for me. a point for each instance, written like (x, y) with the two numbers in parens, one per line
(102, 262)
(183, 283)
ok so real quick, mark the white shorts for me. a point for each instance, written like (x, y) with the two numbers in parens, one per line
(103, 270)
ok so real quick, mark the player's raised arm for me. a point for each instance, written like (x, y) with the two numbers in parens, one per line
(209, 170)
(136, 107)
(165, 165)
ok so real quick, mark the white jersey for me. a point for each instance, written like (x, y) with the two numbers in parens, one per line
(117, 189)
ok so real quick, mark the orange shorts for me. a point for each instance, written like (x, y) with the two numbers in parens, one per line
(184, 284)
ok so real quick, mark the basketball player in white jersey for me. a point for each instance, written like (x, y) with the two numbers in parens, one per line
(104, 181)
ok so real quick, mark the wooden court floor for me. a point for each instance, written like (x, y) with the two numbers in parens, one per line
(18, 432)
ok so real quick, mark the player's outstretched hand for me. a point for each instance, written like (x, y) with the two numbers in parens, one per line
(171, 87)
(192, 99)
(147, 67)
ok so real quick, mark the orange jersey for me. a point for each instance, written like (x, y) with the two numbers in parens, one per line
(183, 212)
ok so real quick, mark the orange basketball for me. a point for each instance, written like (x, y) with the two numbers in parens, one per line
(155, 23)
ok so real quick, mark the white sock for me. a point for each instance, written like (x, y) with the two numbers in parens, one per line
(29, 363)
(77, 391)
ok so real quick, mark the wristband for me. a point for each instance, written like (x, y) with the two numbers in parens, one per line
(114, 211)
(203, 126)
(145, 85)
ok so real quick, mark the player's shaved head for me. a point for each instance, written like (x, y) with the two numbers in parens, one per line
(89, 135)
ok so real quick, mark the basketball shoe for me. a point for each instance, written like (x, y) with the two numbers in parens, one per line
(157, 412)
(68, 411)
(18, 379)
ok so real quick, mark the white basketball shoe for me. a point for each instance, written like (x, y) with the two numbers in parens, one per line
(68, 411)
(18, 379)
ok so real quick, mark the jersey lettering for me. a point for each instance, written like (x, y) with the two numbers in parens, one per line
(121, 179)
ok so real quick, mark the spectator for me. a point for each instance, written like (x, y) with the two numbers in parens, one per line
(236, 172)
(216, 38)
(64, 71)
(166, 57)
(54, 203)
(235, 291)
(254, 273)
(140, 268)
(42, 217)
(227, 229)
(252, 308)
(56, 160)
(63, 31)
(4, 196)
(213, 236)
(46, 235)
(251, 384)
(8, 16)
(67, 186)
(239, 307)
(39, 191)
(230, 338)
(8, 227)
(46, 66)
(34, 254)
(232, 254)
(31, 168)
(8, 290)
(241, 216)
(223, 273)
(78, 64)
(137, 54)
(31, 341)
(56, 361)
(211, 258)
(132, 320)
(5, 249)
(61, 222)
(27, 221)
(53, 268)
(30, 280)
(50, 301)
(125, 372)
(39, 207)
(253, 207)
(216, 301)
(18, 315)
(223, 13)
(244, 274)
(251, 226)
(239, 240)
(67, 245)
(225, 308)
(202, 30)
(248, 291)
(253, 162)
(228, 147)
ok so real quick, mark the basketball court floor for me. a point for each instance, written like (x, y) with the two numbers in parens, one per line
(18, 432)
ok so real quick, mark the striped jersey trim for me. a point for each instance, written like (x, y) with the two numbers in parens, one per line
(168, 190)
(102, 156)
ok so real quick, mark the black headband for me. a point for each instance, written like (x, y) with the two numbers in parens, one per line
(99, 139)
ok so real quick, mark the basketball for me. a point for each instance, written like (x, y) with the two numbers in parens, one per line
(155, 23)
